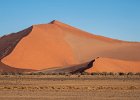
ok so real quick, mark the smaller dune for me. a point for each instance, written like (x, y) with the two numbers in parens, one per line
(114, 65)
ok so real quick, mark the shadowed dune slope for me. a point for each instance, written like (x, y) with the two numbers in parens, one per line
(5, 68)
(79, 68)
(7, 44)
(59, 45)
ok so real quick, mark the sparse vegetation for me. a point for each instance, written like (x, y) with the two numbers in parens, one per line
(94, 73)
(68, 74)
(121, 73)
(137, 73)
(69, 86)
(130, 73)
(85, 73)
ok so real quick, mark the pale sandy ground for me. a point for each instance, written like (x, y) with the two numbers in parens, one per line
(52, 87)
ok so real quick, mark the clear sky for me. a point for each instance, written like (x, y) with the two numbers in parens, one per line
(118, 19)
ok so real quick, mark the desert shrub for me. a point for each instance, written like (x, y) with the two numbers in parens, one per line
(1, 73)
(47, 74)
(53, 73)
(121, 73)
(4, 73)
(94, 73)
(77, 73)
(19, 73)
(85, 73)
(62, 73)
(101, 73)
(104, 73)
(111, 73)
(130, 73)
(11, 73)
(40, 73)
(67, 74)
(33, 73)
(37, 73)
(138, 73)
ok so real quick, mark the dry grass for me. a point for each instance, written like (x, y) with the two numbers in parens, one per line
(69, 87)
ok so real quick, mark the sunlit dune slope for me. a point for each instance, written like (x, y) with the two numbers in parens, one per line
(59, 45)
(114, 65)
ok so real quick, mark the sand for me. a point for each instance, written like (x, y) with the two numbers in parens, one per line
(69, 87)
(60, 45)
(114, 65)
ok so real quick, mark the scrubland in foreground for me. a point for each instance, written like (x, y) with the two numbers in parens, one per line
(70, 87)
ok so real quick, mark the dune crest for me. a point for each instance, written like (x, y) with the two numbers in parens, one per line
(56, 44)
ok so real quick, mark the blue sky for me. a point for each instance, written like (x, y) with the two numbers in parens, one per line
(118, 19)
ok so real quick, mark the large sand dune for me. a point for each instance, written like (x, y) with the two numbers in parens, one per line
(47, 46)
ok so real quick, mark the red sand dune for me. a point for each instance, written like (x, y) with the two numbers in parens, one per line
(59, 45)
(114, 65)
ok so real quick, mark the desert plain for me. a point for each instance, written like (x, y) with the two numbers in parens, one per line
(49, 61)
(69, 87)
